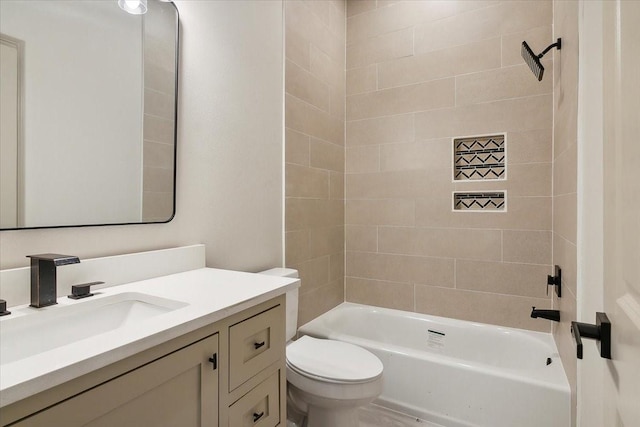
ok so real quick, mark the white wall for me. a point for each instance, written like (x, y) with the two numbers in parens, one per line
(229, 183)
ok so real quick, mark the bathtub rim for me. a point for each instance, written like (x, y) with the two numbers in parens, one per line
(317, 328)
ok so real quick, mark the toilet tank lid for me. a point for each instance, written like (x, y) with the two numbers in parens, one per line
(282, 272)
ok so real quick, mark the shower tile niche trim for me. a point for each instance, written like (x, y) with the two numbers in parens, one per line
(480, 158)
(482, 201)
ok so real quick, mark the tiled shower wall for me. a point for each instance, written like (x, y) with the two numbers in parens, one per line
(565, 156)
(418, 75)
(314, 153)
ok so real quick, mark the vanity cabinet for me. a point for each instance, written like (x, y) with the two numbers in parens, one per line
(228, 374)
(180, 389)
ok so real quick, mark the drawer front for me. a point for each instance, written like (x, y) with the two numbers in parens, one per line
(254, 344)
(260, 407)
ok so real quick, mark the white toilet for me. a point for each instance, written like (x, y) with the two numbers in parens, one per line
(327, 380)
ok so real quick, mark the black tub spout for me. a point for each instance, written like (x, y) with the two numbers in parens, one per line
(546, 314)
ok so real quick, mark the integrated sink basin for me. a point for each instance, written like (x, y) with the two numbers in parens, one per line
(33, 332)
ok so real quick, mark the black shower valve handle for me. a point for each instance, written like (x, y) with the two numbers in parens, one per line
(555, 281)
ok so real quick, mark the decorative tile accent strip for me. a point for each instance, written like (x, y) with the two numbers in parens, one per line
(479, 158)
(495, 201)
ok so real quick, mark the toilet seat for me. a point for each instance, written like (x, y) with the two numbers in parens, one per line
(332, 361)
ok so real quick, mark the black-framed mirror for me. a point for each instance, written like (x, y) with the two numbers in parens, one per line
(88, 119)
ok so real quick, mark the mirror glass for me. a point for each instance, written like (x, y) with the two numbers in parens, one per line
(88, 113)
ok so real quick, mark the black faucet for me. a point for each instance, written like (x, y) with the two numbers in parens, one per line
(44, 286)
(546, 314)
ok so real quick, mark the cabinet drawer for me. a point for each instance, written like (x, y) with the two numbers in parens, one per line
(260, 407)
(254, 344)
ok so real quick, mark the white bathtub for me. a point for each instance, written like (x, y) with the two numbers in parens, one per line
(456, 373)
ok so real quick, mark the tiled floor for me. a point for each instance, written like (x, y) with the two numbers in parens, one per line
(377, 416)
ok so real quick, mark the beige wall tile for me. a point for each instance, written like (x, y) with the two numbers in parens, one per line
(458, 30)
(360, 80)
(338, 19)
(336, 185)
(320, 300)
(513, 115)
(381, 130)
(537, 38)
(296, 147)
(401, 268)
(523, 213)
(336, 266)
(565, 255)
(305, 118)
(297, 48)
(468, 58)
(522, 15)
(328, 70)
(321, 8)
(337, 107)
(305, 86)
(565, 214)
(361, 238)
(158, 78)
(325, 155)
(310, 213)
(533, 247)
(300, 18)
(314, 273)
(565, 171)
(438, 242)
(382, 48)
(430, 154)
(504, 310)
(301, 181)
(534, 146)
(355, 7)
(380, 212)
(158, 155)
(527, 280)
(157, 206)
(400, 100)
(513, 82)
(395, 15)
(398, 184)
(157, 179)
(158, 129)
(161, 104)
(362, 159)
(326, 241)
(379, 293)
(297, 245)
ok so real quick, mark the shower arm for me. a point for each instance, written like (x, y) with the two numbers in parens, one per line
(557, 44)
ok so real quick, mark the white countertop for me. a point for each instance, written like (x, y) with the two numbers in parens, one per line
(210, 295)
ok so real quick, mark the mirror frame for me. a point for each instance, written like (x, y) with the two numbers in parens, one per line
(175, 152)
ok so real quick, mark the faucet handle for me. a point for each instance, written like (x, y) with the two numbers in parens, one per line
(3, 308)
(83, 290)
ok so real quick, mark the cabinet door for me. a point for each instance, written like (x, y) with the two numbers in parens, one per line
(177, 390)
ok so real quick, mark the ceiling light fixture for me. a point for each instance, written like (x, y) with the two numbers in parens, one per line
(134, 7)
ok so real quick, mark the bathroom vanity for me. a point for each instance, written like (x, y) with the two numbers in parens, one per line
(212, 355)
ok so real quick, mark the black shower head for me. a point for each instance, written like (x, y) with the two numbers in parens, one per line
(533, 60)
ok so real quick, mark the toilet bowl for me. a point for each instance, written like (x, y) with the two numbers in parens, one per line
(327, 380)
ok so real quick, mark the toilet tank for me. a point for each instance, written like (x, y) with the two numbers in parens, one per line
(292, 299)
